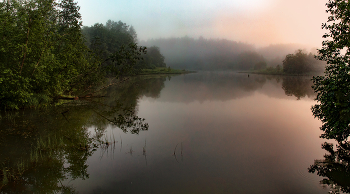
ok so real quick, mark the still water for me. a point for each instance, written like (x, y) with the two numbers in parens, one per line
(206, 132)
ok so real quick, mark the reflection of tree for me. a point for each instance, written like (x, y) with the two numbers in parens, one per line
(229, 85)
(335, 167)
(128, 92)
(127, 121)
(218, 86)
(40, 149)
(120, 109)
(297, 86)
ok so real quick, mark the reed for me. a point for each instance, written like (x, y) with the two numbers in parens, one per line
(181, 148)
(34, 155)
(20, 167)
(4, 176)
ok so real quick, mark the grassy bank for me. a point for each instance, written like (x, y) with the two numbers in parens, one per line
(163, 70)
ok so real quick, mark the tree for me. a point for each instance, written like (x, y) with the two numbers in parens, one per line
(42, 53)
(296, 63)
(133, 34)
(115, 45)
(18, 53)
(153, 58)
(333, 89)
(301, 63)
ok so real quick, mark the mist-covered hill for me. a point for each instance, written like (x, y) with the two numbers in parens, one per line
(275, 53)
(218, 54)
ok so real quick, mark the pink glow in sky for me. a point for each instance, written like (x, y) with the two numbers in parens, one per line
(259, 22)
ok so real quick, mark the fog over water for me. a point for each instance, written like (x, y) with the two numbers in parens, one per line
(258, 22)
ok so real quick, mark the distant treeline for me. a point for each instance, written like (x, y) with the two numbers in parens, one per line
(206, 54)
(220, 54)
(108, 40)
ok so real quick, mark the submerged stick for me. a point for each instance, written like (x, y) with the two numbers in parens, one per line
(144, 152)
(175, 153)
(181, 153)
(121, 143)
(181, 148)
(175, 149)
(144, 149)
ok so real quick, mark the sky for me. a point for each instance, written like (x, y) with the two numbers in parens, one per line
(258, 22)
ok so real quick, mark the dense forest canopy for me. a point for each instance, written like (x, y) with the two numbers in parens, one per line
(110, 42)
(107, 39)
(42, 53)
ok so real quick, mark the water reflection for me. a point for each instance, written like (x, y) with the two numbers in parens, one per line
(298, 86)
(34, 149)
(39, 149)
(335, 167)
(226, 86)
(42, 150)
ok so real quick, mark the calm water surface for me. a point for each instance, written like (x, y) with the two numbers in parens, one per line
(207, 132)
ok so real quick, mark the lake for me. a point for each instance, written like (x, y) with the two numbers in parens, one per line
(205, 132)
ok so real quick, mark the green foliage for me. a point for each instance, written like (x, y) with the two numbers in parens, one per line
(125, 59)
(45, 54)
(333, 89)
(155, 57)
(300, 63)
(42, 53)
(114, 44)
(152, 59)
(105, 40)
